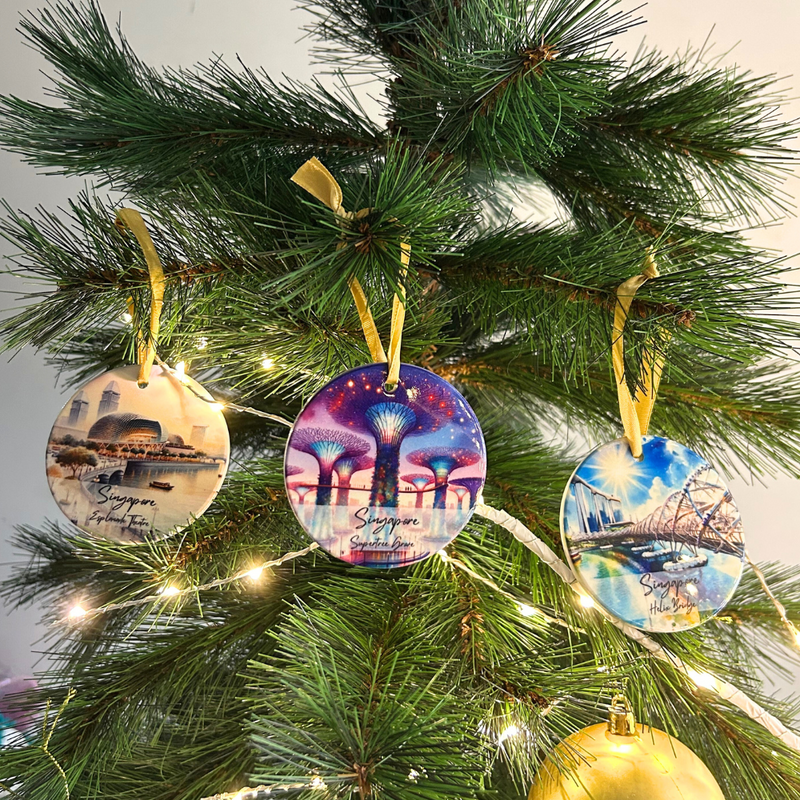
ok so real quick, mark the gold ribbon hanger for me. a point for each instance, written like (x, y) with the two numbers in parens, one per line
(145, 343)
(637, 409)
(314, 177)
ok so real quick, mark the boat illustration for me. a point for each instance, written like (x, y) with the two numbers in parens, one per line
(161, 485)
(685, 562)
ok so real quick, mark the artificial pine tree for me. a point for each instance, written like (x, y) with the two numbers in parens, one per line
(452, 678)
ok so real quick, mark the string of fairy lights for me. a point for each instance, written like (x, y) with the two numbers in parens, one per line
(262, 792)
(179, 372)
(703, 681)
(171, 591)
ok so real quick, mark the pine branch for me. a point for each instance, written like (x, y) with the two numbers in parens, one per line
(118, 118)
(678, 139)
(376, 713)
(216, 249)
(558, 287)
(716, 131)
(178, 691)
(726, 411)
(505, 80)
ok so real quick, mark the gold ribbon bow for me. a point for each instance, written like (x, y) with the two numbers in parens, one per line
(145, 343)
(635, 410)
(317, 181)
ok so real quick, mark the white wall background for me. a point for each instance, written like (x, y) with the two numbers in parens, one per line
(267, 33)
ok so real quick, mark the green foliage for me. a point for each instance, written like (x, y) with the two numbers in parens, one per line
(375, 703)
(408, 683)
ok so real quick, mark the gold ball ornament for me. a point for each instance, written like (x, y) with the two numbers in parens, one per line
(621, 760)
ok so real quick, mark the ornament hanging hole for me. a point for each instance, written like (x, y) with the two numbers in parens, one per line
(640, 457)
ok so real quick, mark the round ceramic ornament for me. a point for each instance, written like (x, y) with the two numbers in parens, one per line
(137, 464)
(657, 542)
(385, 479)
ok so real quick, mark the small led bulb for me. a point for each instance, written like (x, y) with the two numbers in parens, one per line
(702, 679)
(511, 730)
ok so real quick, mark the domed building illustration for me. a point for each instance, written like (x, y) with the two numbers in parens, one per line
(123, 463)
(127, 428)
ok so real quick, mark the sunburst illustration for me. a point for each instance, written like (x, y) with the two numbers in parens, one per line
(619, 471)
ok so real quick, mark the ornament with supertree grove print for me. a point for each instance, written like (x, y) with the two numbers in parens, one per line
(472, 485)
(420, 482)
(441, 461)
(345, 467)
(352, 425)
(327, 446)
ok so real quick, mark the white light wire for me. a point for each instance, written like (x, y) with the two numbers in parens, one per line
(779, 607)
(260, 792)
(723, 689)
(211, 401)
(525, 536)
(163, 596)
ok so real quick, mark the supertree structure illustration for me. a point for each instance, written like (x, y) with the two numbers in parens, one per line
(289, 471)
(359, 402)
(441, 461)
(419, 481)
(344, 469)
(472, 485)
(327, 446)
(390, 422)
(301, 490)
(460, 492)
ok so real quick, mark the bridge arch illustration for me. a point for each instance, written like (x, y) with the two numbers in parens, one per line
(701, 514)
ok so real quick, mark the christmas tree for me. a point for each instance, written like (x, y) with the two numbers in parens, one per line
(236, 657)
